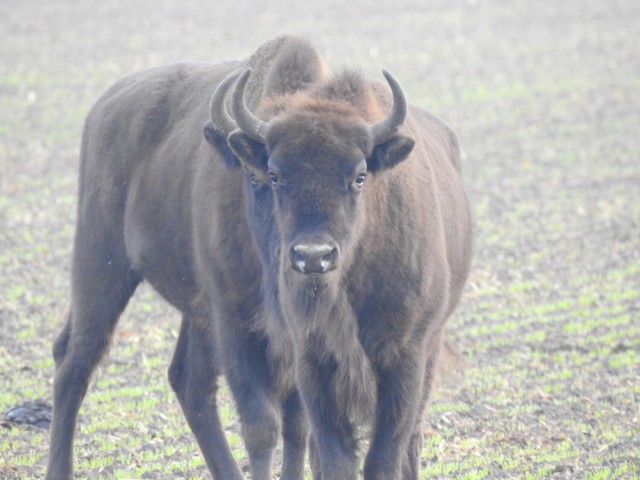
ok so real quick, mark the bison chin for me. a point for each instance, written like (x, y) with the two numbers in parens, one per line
(311, 288)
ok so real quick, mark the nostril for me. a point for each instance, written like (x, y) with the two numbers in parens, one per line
(297, 258)
(329, 259)
(296, 254)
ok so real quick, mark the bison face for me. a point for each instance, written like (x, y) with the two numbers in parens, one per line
(319, 155)
(318, 180)
(322, 167)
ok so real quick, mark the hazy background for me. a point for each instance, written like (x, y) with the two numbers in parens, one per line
(545, 97)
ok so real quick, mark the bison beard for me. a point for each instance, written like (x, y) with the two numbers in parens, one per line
(325, 333)
(315, 249)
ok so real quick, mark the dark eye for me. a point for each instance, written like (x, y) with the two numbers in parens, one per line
(359, 181)
(274, 178)
(254, 180)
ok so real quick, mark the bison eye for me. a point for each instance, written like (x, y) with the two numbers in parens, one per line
(274, 178)
(359, 181)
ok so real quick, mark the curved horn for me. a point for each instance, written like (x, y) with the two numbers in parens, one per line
(251, 126)
(389, 126)
(221, 120)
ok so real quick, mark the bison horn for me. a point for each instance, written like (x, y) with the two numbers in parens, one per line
(221, 120)
(251, 126)
(384, 130)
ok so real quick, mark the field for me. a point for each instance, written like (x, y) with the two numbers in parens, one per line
(546, 99)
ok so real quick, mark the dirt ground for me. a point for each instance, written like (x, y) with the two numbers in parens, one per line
(546, 99)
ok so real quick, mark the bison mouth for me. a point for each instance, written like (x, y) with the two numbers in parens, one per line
(308, 288)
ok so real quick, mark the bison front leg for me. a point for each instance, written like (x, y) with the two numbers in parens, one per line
(412, 460)
(393, 452)
(193, 377)
(411, 463)
(294, 434)
(333, 443)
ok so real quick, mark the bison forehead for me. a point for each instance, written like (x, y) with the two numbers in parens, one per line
(309, 136)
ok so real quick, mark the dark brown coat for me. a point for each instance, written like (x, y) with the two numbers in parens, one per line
(372, 251)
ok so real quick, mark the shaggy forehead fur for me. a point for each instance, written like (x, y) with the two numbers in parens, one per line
(331, 116)
(347, 95)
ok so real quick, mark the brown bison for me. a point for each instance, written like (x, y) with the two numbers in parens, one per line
(315, 249)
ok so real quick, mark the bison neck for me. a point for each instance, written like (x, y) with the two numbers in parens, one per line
(326, 337)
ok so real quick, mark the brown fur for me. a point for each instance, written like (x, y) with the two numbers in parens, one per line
(367, 335)
(356, 346)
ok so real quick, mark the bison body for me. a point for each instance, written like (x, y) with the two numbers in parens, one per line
(315, 250)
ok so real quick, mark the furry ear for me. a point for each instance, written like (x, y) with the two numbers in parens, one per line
(219, 143)
(389, 154)
(251, 153)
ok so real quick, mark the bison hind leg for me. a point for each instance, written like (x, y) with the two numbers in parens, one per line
(102, 283)
(193, 378)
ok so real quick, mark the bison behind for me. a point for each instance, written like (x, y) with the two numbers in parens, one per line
(315, 251)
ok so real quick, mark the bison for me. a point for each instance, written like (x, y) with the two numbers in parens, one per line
(315, 240)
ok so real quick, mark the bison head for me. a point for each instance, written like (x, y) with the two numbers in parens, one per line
(320, 158)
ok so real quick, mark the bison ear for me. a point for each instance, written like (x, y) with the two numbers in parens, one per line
(219, 143)
(253, 154)
(390, 153)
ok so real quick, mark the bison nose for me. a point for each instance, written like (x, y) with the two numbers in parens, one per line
(314, 257)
